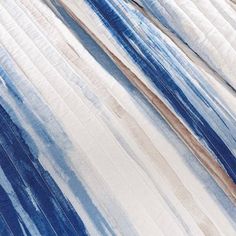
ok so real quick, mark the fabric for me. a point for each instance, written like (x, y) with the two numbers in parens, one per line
(117, 117)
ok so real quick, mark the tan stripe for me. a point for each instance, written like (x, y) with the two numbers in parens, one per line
(181, 193)
(203, 155)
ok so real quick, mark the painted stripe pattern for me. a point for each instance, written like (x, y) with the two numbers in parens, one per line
(117, 117)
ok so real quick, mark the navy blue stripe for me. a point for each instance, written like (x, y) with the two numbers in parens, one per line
(23, 170)
(165, 84)
(9, 213)
(4, 228)
(59, 156)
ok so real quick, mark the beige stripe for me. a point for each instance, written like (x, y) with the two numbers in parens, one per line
(223, 180)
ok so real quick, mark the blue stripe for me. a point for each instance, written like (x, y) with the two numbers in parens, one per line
(9, 214)
(54, 151)
(24, 171)
(165, 84)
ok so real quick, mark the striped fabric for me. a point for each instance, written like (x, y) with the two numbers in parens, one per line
(118, 117)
